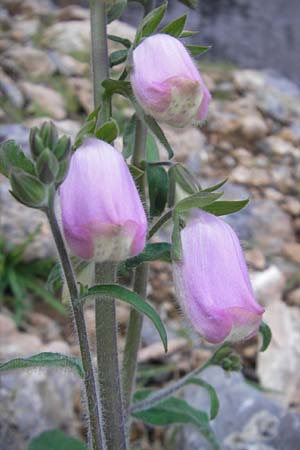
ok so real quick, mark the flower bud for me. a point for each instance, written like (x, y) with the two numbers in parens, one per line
(27, 189)
(166, 81)
(102, 214)
(212, 281)
(47, 166)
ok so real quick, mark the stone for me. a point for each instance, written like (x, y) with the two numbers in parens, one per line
(35, 402)
(272, 105)
(278, 367)
(293, 297)
(83, 91)
(268, 286)
(10, 90)
(68, 36)
(253, 127)
(249, 80)
(45, 99)
(67, 65)
(184, 141)
(19, 344)
(292, 251)
(7, 326)
(251, 176)
(291, 205)
(31, 61)
(255, 259)
(247, 419)
(73, 12)
(274, 145)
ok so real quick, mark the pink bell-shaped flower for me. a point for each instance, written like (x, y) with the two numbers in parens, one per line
(167, 83)
(212, 281)
(102, 214)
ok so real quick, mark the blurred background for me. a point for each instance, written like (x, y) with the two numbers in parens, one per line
(251, 136)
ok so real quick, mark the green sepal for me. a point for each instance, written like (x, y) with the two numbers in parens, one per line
(176, 27)
(224, 207)
(117, 57)
(158, 189)
(12, 157)
(28, 189)
(87, 130)
(62, 150)
(36, 143)
(150, 23)
(266, 334)
(226, 358)
(49, 134)
(108, 132)
(129, 137)
(197, 50)
(198, 200)
(47, 166)
(62, 171)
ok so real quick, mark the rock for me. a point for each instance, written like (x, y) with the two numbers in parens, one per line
(292, 206)
(73, 12)
(184, 141)
(291, 133)
(265, 225)
(247, 419)
(278, 368)
(23, 30)
(18, 221)
(292, 251)
(268, 285)
(19, 344)
(253, 127)
(83, 91)
(251, 176)
(255, 259)
(273, 106)
(274, 145)
(11, 90)
(33, 62)
(249, 80)
(31, 404)
(68, 36)
(45, 99)
(7, 326)
(293, 297)
(68, 66)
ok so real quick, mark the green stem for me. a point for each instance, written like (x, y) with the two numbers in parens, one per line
(108, 368)
(134, 328)
(89, 381)
(100, 69)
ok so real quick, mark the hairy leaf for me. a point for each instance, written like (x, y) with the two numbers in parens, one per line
(224, 207)
(266, 333)
(55, 440)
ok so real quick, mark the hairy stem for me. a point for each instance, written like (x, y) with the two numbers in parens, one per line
(140, 285)
(108, 367)
(100, 68)
(89, 380)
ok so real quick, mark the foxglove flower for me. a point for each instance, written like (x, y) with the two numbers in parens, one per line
(212, 281)
(102, 214)
(166, 81)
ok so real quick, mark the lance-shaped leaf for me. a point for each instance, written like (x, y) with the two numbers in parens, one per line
(129, 137)
(108, 132)
(152, 153)
(150, 23)
(133, 299)
(197, 50)
(198, 200)
(55, 440)
(176, 239)
(224, 207)
(190, 3)
(117, 57)
(152, 252)
(46, 359)
(158, 189)
(176, 27)
(214, 401)
(12, 157)
(215, 187)
(266, 333)
(176, 410)
(119, 40)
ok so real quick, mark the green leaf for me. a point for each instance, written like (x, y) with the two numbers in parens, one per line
(198, 200)
(108, 132)
(120, 40)
(115, 11)
(176, 27)
(28, 189)
(12, 157)
(158, 189)
(176, 410)
(197, 50)
(130, 297)
(215, 187)
(150, 23)
(152, 252)
(129, 137)
(187, 33)
(55, 440)
(185, 179)
(176, 239)
(117, 57)
(214, 401)
(157, 131)
(266, 333)
(46, 359)
(152, 153)
(190, 3)
(225, 207)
